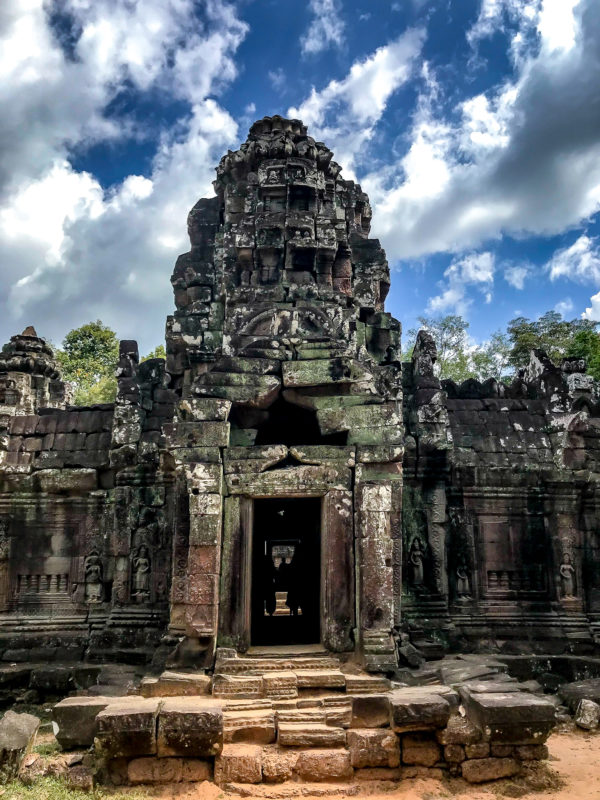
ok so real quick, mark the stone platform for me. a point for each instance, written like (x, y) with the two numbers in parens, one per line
(308, 718)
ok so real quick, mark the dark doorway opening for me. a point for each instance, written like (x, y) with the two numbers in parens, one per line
(286, 571)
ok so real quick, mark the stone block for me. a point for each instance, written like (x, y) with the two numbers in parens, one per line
(256, 726)
(515, 717)
(324, 765)
(420, 749)
(480, 770)
(587, 715)
(205, 530)
(338, 711)
(280, 684)
(320, 678)
(278, 765)
(239, 763)
(127, 728)
(176, 684)
(454, 753)
(190, 727)
(371, 747)
(303, 734)
(499, 750)
(370, 711)
(478, 750)
(74, 720)
(152, 770)
(531, 752)
(238, 686)
(572, 693)
(75, 481)
(17, 737)
(459, 730)
(417, 710)
(375, 497)
(196, 770)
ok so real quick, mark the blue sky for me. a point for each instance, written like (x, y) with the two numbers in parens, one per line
(474, 125)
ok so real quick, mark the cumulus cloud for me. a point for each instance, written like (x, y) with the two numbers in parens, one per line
(345, 112)
(326, 28)
(580, 262)
(72, 249)
(521, 158)
(475, 270)
(565, 306)
(516, 275)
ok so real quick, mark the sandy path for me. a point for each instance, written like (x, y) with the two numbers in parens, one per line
(572, 773)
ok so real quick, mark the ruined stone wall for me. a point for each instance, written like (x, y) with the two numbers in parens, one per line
(85, 510)
(499, 516)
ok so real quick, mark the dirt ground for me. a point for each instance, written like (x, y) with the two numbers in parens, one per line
(572, 773)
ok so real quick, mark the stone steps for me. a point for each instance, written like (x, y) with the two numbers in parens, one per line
(310, 734)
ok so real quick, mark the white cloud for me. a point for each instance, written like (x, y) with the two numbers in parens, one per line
(521, 158)
(565, 306)
(473, 270)
(70, 250)
(326, 29)
(277, 78)
(345, 112)
(579, 262)
(516, 275)
(593, 312)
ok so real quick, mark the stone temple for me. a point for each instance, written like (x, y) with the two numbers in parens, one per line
(284, 479)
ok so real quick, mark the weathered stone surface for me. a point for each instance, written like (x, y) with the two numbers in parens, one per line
(373, 748)
(320, 679)
(17, 737)
(176, 684)
(249, 725)
(370, 711)
(420, 749)
(587, 715)
(190, 727)
(280, 684)
(237, 686)
(459, 730)
(480, 770)
(324, 765)
(151, 770)
(417, 710)
(239, 763)
(572, 693)
(74, 720)
(478, 750)
(515, 717)
(278, 765)
(299, 734)
(127, 728)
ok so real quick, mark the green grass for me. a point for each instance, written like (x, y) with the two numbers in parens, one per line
(56, 789)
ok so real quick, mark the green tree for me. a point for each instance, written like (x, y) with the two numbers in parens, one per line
(88, 359)
(458, 357)
(158, 352)
(586, 344)
(550, 332)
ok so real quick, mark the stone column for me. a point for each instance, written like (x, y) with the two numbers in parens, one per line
(338, 563)
(375, 574)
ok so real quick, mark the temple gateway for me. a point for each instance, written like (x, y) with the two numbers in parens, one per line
(283, 479)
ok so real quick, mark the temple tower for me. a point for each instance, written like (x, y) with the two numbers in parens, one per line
(287, 442)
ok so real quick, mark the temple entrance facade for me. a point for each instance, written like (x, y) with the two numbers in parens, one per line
(282, 478)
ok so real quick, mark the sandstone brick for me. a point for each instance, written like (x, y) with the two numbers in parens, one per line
(278, 765)
(373, 748)
(480, 770)
(127, 728)
(324, 765)
(239, 763)
(477, 750)
(191, 726)
(154, 770)
(75, 720)
(420, 749)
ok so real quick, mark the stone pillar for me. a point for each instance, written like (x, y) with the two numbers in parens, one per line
(436, 531)
(375, 574)
(338, 564)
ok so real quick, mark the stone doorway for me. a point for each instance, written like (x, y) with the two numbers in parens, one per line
(286, 571)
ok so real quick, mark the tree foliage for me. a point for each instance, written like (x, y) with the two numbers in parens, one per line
(158, 352)
(550, 332)
(504, 353)
(88, 359)
(458, 357)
